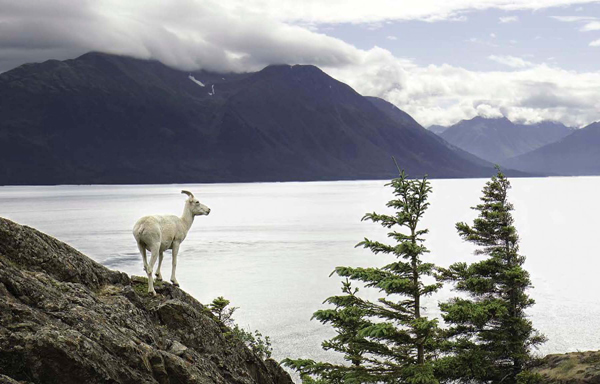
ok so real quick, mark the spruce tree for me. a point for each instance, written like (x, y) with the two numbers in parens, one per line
(221, 309)
(347, 317)
(489, 335)
(393, 341)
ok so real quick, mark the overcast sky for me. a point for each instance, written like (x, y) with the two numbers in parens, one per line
(439, 60)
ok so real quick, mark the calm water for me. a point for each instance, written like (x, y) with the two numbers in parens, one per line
(269, 247)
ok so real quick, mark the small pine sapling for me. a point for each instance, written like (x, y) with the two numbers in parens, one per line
(259, 344)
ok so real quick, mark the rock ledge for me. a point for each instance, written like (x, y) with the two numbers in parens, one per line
(67, 319)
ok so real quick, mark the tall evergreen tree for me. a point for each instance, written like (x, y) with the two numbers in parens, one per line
(393, 341)
(347, 317)
(489, 335)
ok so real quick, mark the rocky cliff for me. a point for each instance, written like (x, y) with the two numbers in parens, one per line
(571, 368)
(67, 319)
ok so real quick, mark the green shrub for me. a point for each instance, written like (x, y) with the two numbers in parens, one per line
(259, 344)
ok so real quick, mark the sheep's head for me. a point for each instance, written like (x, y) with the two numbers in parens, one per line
(196, 207)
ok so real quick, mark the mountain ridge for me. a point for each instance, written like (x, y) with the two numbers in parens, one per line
(106, 119)
(497, 139)
(400, 116)
(577, 154)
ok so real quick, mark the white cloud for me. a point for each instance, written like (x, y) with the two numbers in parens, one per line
(592, 26)
(511, 61)
(247, 35)
(462, 18)
(572, 19)
(486, 110)
(391, 38)
(446, 94)
(508, 19)
(493, 35)
(475, 40)
(190, 36)
(373, 25)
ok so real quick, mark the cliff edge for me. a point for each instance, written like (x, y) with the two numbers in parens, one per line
(67, 319)
(570, 368)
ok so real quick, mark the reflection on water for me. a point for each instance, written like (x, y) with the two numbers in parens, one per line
(269, 247)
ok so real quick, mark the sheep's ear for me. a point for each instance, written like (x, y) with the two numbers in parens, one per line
(190, 194)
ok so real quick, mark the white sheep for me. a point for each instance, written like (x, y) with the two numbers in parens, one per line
(159, 233)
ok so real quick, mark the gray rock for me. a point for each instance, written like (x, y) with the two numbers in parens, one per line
(67, 319)
(8, 380)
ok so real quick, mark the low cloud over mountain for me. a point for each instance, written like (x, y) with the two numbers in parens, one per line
(248, 35)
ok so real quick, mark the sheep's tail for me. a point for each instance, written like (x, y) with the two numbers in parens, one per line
(138, 231)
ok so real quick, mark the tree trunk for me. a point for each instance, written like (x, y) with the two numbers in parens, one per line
(417, 297)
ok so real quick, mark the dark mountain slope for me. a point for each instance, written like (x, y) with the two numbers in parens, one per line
(110, 119)
(99, 118)
(498, 139)
(576, 154)
(66, 319)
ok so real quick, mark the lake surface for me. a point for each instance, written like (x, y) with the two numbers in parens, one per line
(270, 247)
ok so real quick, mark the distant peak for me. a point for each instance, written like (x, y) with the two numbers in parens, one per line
(93, 55)
(484, 120)
(275, 67)
(303, 68)
(489, 118)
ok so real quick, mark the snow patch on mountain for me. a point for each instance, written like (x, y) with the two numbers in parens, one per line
(195, 81)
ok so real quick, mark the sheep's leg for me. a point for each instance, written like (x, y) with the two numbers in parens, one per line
(158, 274)
(144, 258)
(175, 252)
(155, 250)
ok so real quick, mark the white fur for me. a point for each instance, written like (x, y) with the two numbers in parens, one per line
(159, 233)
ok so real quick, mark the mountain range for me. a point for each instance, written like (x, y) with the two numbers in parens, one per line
(577, 154)
(103, 118)
(498, 139)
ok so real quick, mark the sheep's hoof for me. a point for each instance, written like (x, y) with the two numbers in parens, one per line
(158, 277)
(152, 293)
(175, 283)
